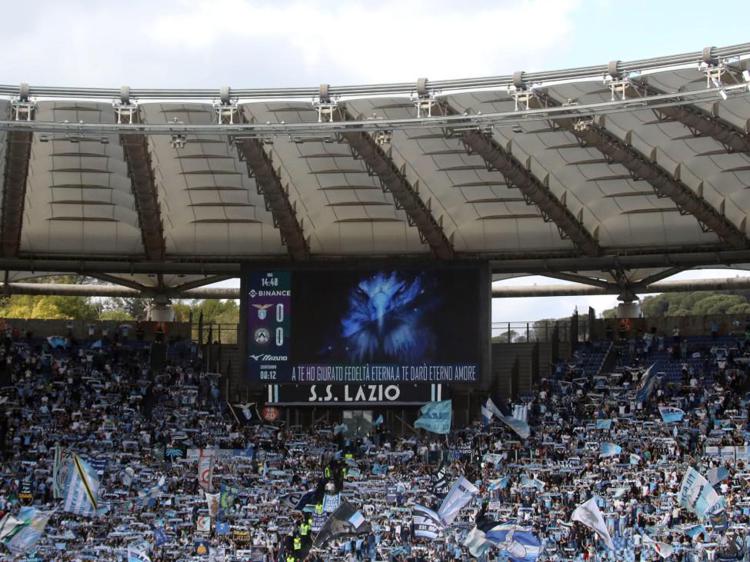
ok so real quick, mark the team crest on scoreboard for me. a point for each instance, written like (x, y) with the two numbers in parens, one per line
(262, 336)
(262, 310)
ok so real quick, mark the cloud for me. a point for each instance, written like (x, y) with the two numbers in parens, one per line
(388, 40)
(208, 43)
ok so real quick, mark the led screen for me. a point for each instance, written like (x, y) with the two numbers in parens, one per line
(357, 326)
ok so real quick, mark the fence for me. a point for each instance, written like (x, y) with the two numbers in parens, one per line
(539, 331)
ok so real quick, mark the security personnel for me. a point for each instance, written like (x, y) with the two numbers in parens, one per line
(319, 508)
(297, 543)
(327, 472)
(304, 529)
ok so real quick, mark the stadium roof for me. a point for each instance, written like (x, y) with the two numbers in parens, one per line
(625, 172)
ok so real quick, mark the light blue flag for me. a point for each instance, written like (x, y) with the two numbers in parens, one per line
(135, 555)
(603, 424)
(670, 414)
(486, 416)
(609, 450)
(716, 475)
(521, 428)
(24, 536)
(378, 421)
(646, 387)
(436, 417)
(697, 495)
(499, 484)
(693, 530)
(81, 488)
(515, 543)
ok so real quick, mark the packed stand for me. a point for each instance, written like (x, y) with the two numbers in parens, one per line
(177, 474)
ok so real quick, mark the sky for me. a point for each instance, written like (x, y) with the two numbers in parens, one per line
(276, 43)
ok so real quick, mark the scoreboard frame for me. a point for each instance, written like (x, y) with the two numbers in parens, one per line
(481, 268)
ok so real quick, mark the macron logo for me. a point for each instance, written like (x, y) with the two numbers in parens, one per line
(266, 357)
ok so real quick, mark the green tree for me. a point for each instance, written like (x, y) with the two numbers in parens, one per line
(49, 307)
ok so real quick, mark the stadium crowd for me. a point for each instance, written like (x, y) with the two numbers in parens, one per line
(177, 474)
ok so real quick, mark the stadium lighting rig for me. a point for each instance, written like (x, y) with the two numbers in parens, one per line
(520, 88)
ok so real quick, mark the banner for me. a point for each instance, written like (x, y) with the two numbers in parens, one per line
(603, 424)
(436, 417)
(205, 468)
(670, 414)
(697, 495)
(405, 394)
(588, 513)
(212, 500)
(426, 522)
(459, 495)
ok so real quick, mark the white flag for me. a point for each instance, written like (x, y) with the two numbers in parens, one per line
(204, 524)
(588, 513)
(205, 468)
(663, 549)
(459, 495)
(213, 504)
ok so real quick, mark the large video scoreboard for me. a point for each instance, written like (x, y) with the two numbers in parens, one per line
(376, 326)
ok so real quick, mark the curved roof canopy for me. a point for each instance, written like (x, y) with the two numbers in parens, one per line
(623, 172)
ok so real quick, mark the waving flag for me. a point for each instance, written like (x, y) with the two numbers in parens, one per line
(647, 384)
(160, 537)
(28, 529)
(716, 475)
(459, 495)
(346, 520)
(670, 414)
(378, 421)
(206, 468)
(520, 426)
(603, 424)
(135, 555)
(697, 494)
(436, 417)
(486, 414)
(245, 413)
(228, 496)
(440, 481)
(663, 549)
(609, 450)
(588, 513)
(81, 488)
(516, 543)
(427, 523)
(212, 501)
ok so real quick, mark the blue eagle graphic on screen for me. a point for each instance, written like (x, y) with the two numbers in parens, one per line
(385, 320)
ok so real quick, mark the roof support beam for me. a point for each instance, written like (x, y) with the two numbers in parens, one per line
(141, 172)
(268, 181)
(405, 195)
(17, 155)
(583, 280)
(535, 191)
(697, 120)
(594, 134)
(687, 285)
